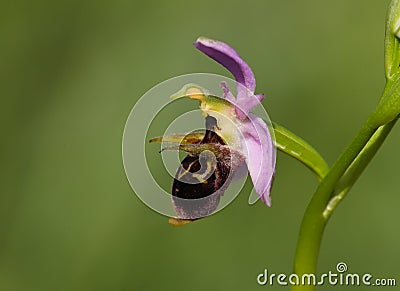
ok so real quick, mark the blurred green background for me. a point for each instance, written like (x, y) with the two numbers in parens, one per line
(72, 70)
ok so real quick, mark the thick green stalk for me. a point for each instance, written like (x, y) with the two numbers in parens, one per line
(338, 181)
(314, 222)
(354, 159)
(357, 167)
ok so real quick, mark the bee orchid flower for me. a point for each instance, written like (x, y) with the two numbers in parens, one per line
(235, 136)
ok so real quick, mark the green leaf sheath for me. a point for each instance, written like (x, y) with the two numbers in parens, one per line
(392, 43)
(357, 167)
(313, 223)
(294, 146)
(354, 159)
(389, 105)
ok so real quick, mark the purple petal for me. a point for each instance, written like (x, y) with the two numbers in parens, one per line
(242, 107)
(227, 93)
(260, 156)
(245, 104)
(229, 58)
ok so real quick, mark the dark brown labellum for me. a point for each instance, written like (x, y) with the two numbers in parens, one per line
(201, 179)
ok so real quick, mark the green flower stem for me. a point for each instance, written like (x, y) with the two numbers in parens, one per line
(354, 159)
(337, 183)
(313, 224)
(357, 167)
(361, 162)
(294, 146)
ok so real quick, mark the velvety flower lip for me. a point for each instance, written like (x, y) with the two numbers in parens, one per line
(256, 141)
